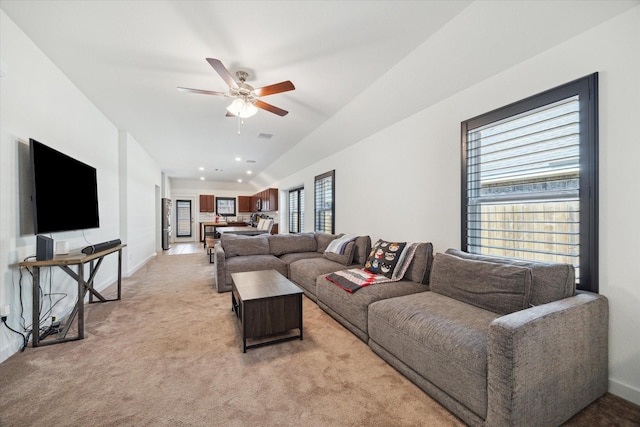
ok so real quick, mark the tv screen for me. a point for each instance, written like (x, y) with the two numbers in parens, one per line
(65, 191)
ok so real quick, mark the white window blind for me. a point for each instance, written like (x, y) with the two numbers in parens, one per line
(530, 180)
(296, 210)
(324, 205)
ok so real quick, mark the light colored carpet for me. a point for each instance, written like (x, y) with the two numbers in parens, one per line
(169, 354)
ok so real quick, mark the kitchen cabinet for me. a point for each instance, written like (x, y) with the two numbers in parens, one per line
(245, 205)
(264, 201)
(207, 203)
(267, 200)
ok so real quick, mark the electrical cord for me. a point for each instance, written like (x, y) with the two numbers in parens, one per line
(25, 339)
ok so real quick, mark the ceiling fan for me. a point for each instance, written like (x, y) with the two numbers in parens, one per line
(246, 99)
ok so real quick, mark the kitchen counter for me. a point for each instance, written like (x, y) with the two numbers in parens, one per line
(212, 225)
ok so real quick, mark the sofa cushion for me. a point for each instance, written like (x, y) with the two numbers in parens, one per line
(351, 308)
(287, 243)
(305, 271)
(500, 288)
(384, 257)
(361, 252)
(443, 340)
(420, 266)
(551, 281)
(254, 263)
(323, 240)
(238, 245)
(295, 256)
(345, 258)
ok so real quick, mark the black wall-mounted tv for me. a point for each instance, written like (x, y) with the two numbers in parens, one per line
(65, 191)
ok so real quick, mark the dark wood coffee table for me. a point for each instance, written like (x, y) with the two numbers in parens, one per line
(267, 305)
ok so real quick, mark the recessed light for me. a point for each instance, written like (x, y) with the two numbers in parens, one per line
(202, 178)
(249, 172)
(238, 159)
(201, 168)
(239, 180)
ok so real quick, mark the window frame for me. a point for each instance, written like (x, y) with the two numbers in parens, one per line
(299, 194)
(330, 174)
(587, 90)
(229, 200)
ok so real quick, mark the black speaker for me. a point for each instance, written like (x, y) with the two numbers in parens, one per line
(44, 248)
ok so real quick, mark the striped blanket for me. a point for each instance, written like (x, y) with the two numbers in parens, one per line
(355, 279)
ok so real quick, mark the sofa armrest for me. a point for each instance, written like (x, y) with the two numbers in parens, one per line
(219, 267)
(548, 362)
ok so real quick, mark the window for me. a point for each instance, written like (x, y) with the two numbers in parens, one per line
(530, 180)
(296, 210)
(226, 206)
(183, 218)
(325, 208)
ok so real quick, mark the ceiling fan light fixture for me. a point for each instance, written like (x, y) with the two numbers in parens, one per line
(242, 108)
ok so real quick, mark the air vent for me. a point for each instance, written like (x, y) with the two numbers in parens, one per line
(251, 161)
(265, 136)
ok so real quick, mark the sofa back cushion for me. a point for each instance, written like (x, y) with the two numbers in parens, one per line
(500, 288)
(345, 258)
(288, 243)
(551, 281)
(323, 240)
(362, 249)
(238, 245)
(420, 266)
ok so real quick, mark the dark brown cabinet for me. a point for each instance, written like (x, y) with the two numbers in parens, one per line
(244, 204)
(207, 203)
(268, 200)
(264, 201)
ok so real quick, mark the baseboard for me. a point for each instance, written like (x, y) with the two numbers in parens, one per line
(139, 266)
(10, 347)
(624, 391)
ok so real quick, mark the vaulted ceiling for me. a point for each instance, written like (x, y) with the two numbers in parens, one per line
(357, 66)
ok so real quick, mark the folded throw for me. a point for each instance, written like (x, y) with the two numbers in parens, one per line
(355, 279)
(337, 246)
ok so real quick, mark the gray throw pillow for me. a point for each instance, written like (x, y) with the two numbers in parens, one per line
(500, 288)
(344, 259)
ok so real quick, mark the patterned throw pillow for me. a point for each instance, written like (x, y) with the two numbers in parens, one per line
(384, 257)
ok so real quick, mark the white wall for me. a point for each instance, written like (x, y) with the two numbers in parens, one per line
(404, 182)
(37, 101)
(140, 227)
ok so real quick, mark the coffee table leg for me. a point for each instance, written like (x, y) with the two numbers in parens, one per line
(300, 296)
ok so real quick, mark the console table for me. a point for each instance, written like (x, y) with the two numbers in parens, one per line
(65, 262)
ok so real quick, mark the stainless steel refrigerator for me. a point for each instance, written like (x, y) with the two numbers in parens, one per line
(166, 224)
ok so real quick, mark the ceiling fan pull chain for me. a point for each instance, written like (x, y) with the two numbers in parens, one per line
(238, 125)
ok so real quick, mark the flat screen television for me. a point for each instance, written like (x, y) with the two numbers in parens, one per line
(65, 191)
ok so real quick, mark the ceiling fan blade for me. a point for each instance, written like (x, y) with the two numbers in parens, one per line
(276, 88)
(230, 114)
(202, 91)
(270, 108)
(224, 73)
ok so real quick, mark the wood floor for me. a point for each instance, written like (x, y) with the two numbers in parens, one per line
(185, 248)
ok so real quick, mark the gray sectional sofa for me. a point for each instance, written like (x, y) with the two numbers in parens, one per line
(499, 342)
(283, 252)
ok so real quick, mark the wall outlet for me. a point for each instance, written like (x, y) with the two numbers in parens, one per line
(5, 310)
